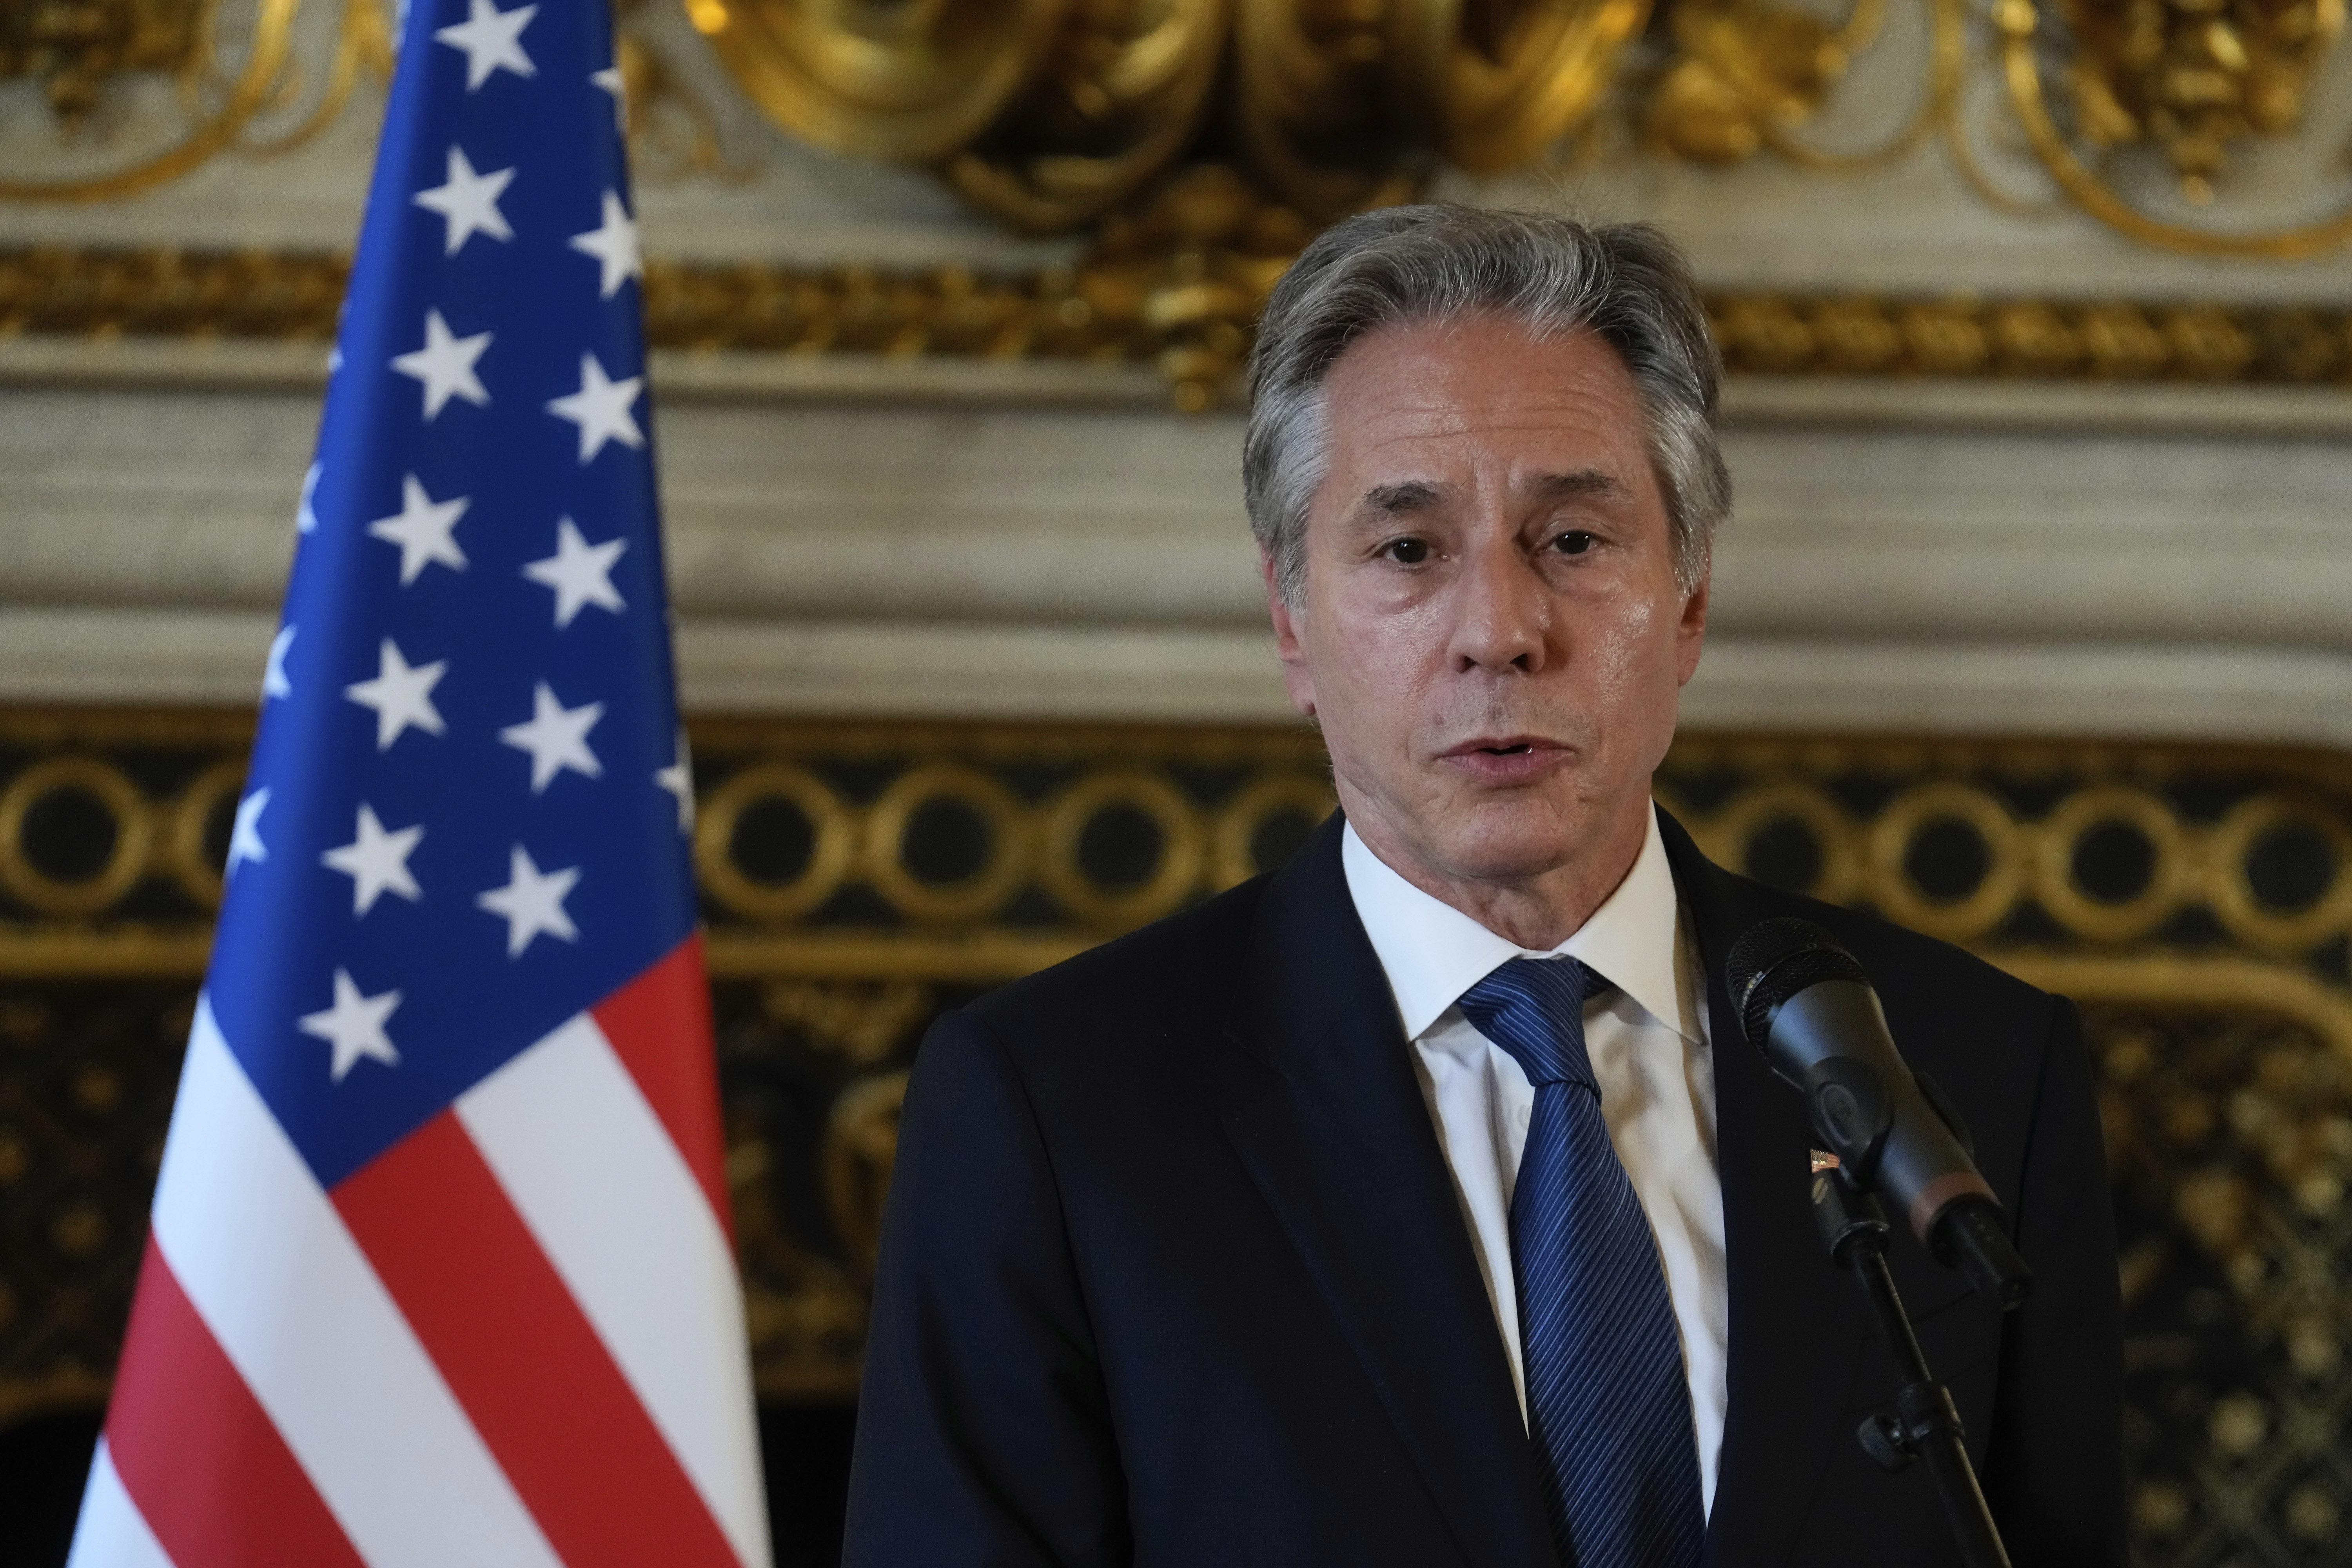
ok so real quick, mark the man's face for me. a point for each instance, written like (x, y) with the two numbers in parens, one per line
(1490, 632)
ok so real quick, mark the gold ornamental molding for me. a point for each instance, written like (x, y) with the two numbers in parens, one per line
(1178, 287)
(1056, 115)
(2112, 99)
(1050, 114)
(2192, 82)
(258, 78)
(238, 83)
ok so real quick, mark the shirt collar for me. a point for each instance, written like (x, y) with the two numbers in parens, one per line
(1433, 952)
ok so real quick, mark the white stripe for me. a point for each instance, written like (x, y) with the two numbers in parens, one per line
(293, 1302)
(594, 1174)
(111, 1531)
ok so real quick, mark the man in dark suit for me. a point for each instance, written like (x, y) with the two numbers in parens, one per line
(1421, 1204)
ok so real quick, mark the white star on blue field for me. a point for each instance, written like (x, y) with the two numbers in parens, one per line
(470, 804)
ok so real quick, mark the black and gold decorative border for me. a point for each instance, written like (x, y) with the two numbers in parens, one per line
(857, 878)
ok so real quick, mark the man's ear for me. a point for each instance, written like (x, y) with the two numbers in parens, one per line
(1289, 645)
(1690, 633)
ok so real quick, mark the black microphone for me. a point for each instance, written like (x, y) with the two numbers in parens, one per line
(1805, 1003)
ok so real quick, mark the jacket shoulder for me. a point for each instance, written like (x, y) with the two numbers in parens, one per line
(1917, 975)
(1181, 966)
(1900, 961)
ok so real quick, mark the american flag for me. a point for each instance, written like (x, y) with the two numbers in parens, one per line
(440, 1269)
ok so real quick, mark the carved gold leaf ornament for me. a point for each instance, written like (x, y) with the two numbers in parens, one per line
(1516, 78)
(1061, 114)
(1748, 75)
(1312, 85)
(1740, 69)
(1044, 112)
(1049, 113)
(220, 114)
(2194, 78)
(1179, 285)
(1338, 105)
(1745, 72)
(74, 47)
(1119, 100)
(911, 79)
(2191, 78)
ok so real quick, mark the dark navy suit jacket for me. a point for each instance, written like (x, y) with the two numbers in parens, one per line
(1173, 1273)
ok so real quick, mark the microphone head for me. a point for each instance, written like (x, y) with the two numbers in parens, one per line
(1775, 959)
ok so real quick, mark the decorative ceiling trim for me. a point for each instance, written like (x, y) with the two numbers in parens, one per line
(1051, 113)
(1186, 307)
(1056, 115)
(271, 101)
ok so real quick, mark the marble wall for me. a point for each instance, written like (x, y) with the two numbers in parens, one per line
(2164, 562)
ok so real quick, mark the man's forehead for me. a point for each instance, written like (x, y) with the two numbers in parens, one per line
(1405, 496)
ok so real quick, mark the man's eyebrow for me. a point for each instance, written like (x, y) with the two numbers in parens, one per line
(1401, 499)
(1584, 483)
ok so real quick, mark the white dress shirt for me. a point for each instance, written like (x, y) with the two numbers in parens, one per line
(1647, 1038)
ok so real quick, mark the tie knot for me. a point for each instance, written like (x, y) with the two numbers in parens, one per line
(1534, 1008)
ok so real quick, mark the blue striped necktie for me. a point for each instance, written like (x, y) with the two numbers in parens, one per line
(1609, 1407)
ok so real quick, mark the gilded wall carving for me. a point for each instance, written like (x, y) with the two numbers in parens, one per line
(857, 880)
(1050, 116)
(73, 51)
(2193, 82)
(1178, 287)
(1053, 115)
(241, 82)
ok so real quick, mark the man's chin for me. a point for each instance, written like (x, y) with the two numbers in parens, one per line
(1496, 842)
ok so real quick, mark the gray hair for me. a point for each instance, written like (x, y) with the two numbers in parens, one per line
(1626, 282)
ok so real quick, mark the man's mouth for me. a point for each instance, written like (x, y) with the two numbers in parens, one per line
(1507, 759)
(1502, 746)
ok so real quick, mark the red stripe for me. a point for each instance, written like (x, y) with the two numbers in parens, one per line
(659, 1025)
(215, 1482)
(521, 1358)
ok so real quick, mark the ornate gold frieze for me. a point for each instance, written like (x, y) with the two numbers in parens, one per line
(1058, 114)
(259, 77)
(1179, 286)
(2194, 81)
(268, 101)
(857, 878)
(2187, 80)
(1050, 112)
(1746, 75)
(74, 47)
(1051, 117)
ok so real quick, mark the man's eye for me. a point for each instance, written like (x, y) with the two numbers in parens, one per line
(1407, 552)
(1575, 541)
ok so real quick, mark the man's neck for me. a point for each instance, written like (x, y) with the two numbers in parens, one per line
(1539, 910)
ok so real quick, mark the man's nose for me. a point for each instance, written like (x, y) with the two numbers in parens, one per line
(1502, 615)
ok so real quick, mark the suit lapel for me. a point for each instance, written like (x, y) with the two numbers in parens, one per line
(1339, 1142)
(1797, 1327)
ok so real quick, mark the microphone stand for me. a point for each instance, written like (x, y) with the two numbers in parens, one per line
(1926, 1421)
